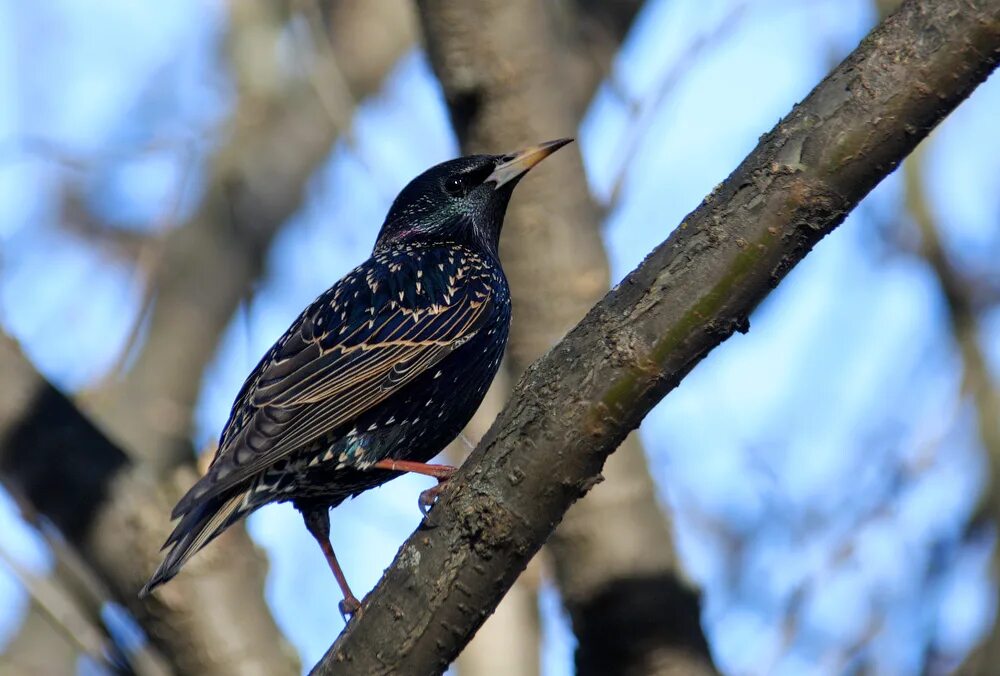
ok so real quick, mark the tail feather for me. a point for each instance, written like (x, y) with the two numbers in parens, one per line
(199, 526)
(197, 494)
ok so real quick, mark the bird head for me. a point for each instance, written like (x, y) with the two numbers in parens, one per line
(461, 200)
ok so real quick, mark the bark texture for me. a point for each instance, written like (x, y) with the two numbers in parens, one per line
(510, 641)
(577, 404)
(506, 89)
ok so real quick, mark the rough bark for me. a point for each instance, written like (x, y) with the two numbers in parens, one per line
(577, 404)
(505, 89)
(510, 641)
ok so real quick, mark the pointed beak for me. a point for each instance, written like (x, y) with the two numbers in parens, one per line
(518, 164)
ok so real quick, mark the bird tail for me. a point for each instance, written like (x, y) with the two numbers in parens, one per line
(197, 527)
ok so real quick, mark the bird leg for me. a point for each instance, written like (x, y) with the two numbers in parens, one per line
(440, 472)
(318, 524)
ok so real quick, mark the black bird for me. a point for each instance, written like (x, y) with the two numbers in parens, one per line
(379, 374)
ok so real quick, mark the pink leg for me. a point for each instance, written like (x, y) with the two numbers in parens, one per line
(318, 524)
(440, 472)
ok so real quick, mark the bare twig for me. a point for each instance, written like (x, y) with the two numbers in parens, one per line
(646, 111)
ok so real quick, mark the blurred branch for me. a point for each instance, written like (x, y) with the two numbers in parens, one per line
(279, 134)
(53, 459)
(577, 404)
(613, 554)
(366, 39)
(59, 610)
(645, 112)
(977, 380)
(72, 586)
(966, 297)
(213, 620)
(123, 243)
(587, 34)
(960, 301)
(39, 647)
(79, 627)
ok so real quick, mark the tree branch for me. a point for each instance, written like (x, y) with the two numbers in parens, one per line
(53, 459)
(574, 407)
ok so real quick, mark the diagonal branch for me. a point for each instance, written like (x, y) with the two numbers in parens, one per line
(57, 462)
(573, 407)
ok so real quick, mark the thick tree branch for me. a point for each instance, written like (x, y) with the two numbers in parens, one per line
(696, 289)
(510, 641)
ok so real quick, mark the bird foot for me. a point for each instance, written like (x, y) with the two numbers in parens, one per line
(349, 607)
(429, 497)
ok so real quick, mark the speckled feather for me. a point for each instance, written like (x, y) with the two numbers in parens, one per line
(390, 362)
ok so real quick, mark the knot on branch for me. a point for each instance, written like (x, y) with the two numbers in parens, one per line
(486, 523)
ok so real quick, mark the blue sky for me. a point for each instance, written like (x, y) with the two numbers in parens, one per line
(780, 456)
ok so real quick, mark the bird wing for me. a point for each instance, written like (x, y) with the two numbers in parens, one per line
(358, 344)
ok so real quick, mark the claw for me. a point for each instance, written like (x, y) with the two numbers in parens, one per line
(349, 607)
(429, 497)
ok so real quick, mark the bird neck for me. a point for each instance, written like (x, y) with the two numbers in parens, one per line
(486, 241)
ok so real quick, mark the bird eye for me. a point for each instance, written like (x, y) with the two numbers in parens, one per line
(455, 185)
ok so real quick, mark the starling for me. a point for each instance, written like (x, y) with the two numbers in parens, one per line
(379, 374)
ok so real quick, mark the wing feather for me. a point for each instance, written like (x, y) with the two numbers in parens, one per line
(334, 364)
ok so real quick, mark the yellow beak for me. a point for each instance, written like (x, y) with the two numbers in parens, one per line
(521, 162)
